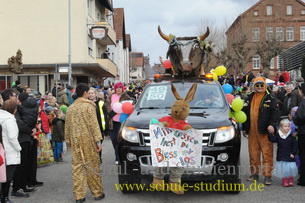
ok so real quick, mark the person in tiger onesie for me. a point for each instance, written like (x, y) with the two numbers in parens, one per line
(83, 135)
(263, 114)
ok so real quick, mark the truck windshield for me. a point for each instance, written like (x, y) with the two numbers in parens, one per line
(160, 96)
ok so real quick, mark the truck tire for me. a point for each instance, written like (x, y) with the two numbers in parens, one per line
(235, 180)
(129, 184)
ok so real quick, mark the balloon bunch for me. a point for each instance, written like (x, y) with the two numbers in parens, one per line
(238, 114)
(236, 104)
(218, 71)
(124, 109)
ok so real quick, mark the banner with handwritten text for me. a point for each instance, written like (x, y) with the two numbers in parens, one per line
(175, 148)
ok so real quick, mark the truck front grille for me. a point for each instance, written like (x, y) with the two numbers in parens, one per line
(208, 137)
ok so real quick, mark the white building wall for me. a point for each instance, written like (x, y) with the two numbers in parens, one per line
(40, 30)
(112, 50)
(127, 77)
(126, 66)
(120, 60)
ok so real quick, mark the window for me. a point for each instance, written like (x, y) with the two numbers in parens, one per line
(255, 13)
(280, 34)
(289, 34)
(98, 16)
(302, 33)
(269, 33)
(90, 46)
(256, 62)
(99, 52)
(269, 10)
(278, 64)
(272, 63)
(303, 12)
(289, 10)
(255, 34)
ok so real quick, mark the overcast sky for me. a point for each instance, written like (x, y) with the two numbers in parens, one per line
(179, 17)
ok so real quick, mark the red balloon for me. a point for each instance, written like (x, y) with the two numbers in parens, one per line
(230, 98)
(167, 64)
(127, 108)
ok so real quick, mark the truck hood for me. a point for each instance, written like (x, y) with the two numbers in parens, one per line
(197, 118)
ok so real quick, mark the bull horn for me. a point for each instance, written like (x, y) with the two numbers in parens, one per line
(205, 35)
(162, 34)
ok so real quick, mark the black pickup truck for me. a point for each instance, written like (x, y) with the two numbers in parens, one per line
(209, 115)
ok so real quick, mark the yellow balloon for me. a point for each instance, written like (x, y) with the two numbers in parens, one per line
(240, 117)
(237, 104)
(220, 70)
(215, 77)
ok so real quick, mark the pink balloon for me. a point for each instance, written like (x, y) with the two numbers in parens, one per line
(167, 64)
(230, 98)
(127, 107)
(117, 107)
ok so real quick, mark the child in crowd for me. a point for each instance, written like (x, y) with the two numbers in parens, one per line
(53, 102)
(58, 135)
(287, 148)
(51, 115)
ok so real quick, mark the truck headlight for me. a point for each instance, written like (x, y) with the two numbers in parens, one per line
(130, 134)
(224, 134)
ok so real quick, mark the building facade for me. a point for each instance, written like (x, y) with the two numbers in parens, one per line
(137, 66)
(41, 31)
(277, 22)
(122, 46)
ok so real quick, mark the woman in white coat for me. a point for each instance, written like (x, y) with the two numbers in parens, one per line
(11, 145)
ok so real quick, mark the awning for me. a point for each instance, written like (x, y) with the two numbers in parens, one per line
(107, 4)
(94, 69)
(268, 81)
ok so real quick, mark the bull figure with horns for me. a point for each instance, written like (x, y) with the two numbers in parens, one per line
(187, 53)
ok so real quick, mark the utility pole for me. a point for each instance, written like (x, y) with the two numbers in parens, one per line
(69, 36)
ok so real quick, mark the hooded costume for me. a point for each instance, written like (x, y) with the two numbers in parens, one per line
(263, 111)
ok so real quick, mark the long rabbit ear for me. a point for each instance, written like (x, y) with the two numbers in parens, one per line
(176, 94)
(190, 95)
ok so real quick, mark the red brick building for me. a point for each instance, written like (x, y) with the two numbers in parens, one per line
(278, 20)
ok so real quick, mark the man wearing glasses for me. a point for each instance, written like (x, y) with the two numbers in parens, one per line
(9, 94)
(263, 114)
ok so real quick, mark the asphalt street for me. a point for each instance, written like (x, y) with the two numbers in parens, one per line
(58, 186)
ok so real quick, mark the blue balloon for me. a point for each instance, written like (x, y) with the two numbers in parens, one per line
(123, 117)
(227, 88)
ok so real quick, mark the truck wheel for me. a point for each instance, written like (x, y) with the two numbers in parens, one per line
(129, 184)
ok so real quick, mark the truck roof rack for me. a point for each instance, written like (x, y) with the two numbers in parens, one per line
(160, 77)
